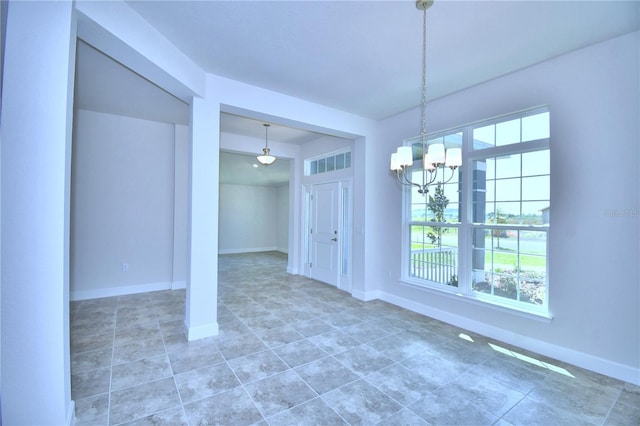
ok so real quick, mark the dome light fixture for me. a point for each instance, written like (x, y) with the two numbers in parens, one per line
(266, 158)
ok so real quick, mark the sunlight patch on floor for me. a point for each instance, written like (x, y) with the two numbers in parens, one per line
(530, 360)
(522, 357)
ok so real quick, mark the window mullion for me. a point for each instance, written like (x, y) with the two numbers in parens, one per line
(464, 235)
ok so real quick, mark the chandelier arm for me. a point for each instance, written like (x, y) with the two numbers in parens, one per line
(453, 171)
(433, 175)
(404, 180)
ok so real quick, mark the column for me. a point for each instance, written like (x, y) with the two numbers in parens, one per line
(202, 268)
(35, 162)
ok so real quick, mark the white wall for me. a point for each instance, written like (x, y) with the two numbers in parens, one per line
(248, 218)
(122, 205)
(594, 99)
(282, 219)
(180, 207)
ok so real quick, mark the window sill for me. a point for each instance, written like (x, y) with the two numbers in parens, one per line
(477, 299)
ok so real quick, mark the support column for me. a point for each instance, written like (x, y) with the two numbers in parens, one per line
(201, 317)
(36, 145)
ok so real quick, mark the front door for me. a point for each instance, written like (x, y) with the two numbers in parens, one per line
(325, 228)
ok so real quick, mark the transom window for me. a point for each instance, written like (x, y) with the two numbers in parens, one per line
(481, 231)
(328, 163)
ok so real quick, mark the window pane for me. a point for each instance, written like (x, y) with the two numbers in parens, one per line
(508, 132)
(347, 160)
(314, 168)
(322, 165)
(535, 163)
(535, 188)
(535, 127)
(417, 236)
(339, 161)
(434, 254)
(535, 212)
(453, 140)
(452, 209)
(508, 166)
(452, 213)
(510, 264)
(491, 191)
(418, 208)
(507, 212)
(331, 164)
(484, 137)
(508, 189)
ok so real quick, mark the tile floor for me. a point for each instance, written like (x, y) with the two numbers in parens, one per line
(294, 351)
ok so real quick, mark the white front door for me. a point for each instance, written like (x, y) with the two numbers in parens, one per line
(325, 229)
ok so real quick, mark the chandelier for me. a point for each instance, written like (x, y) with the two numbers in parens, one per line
(266, 158)
(436, 158)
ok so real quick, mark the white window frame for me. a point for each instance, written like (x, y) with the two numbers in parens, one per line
(465, 226)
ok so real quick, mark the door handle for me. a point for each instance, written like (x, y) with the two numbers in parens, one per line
(334, 239)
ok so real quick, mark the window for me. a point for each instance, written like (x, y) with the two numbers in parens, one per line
(330, 163)
(481, 231)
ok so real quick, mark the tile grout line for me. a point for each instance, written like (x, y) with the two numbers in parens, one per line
(113, 349)
(173, 374)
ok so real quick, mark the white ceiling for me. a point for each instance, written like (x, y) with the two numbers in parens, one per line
(363, 57)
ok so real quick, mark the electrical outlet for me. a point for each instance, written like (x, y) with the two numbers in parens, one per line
(125, 267)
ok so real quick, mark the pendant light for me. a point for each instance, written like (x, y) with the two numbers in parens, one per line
(435, 158)
(266, 158)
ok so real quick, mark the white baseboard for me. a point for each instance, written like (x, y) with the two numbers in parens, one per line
(178, 285)
(71, 414)
(246, 250)
(201, 331)
(366, 296)
(580, 359)
(118, 291)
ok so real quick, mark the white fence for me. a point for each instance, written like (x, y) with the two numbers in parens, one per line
(437, 264)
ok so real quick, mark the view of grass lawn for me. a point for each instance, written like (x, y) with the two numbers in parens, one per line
(532, 251)
(514, 268)
(511, 260)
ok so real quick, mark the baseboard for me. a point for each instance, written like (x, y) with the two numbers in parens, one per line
(201, 331)
(246, 250)
(118, 291)
(577, 358)
(178, 285)
(366, 296)
(71, 414)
